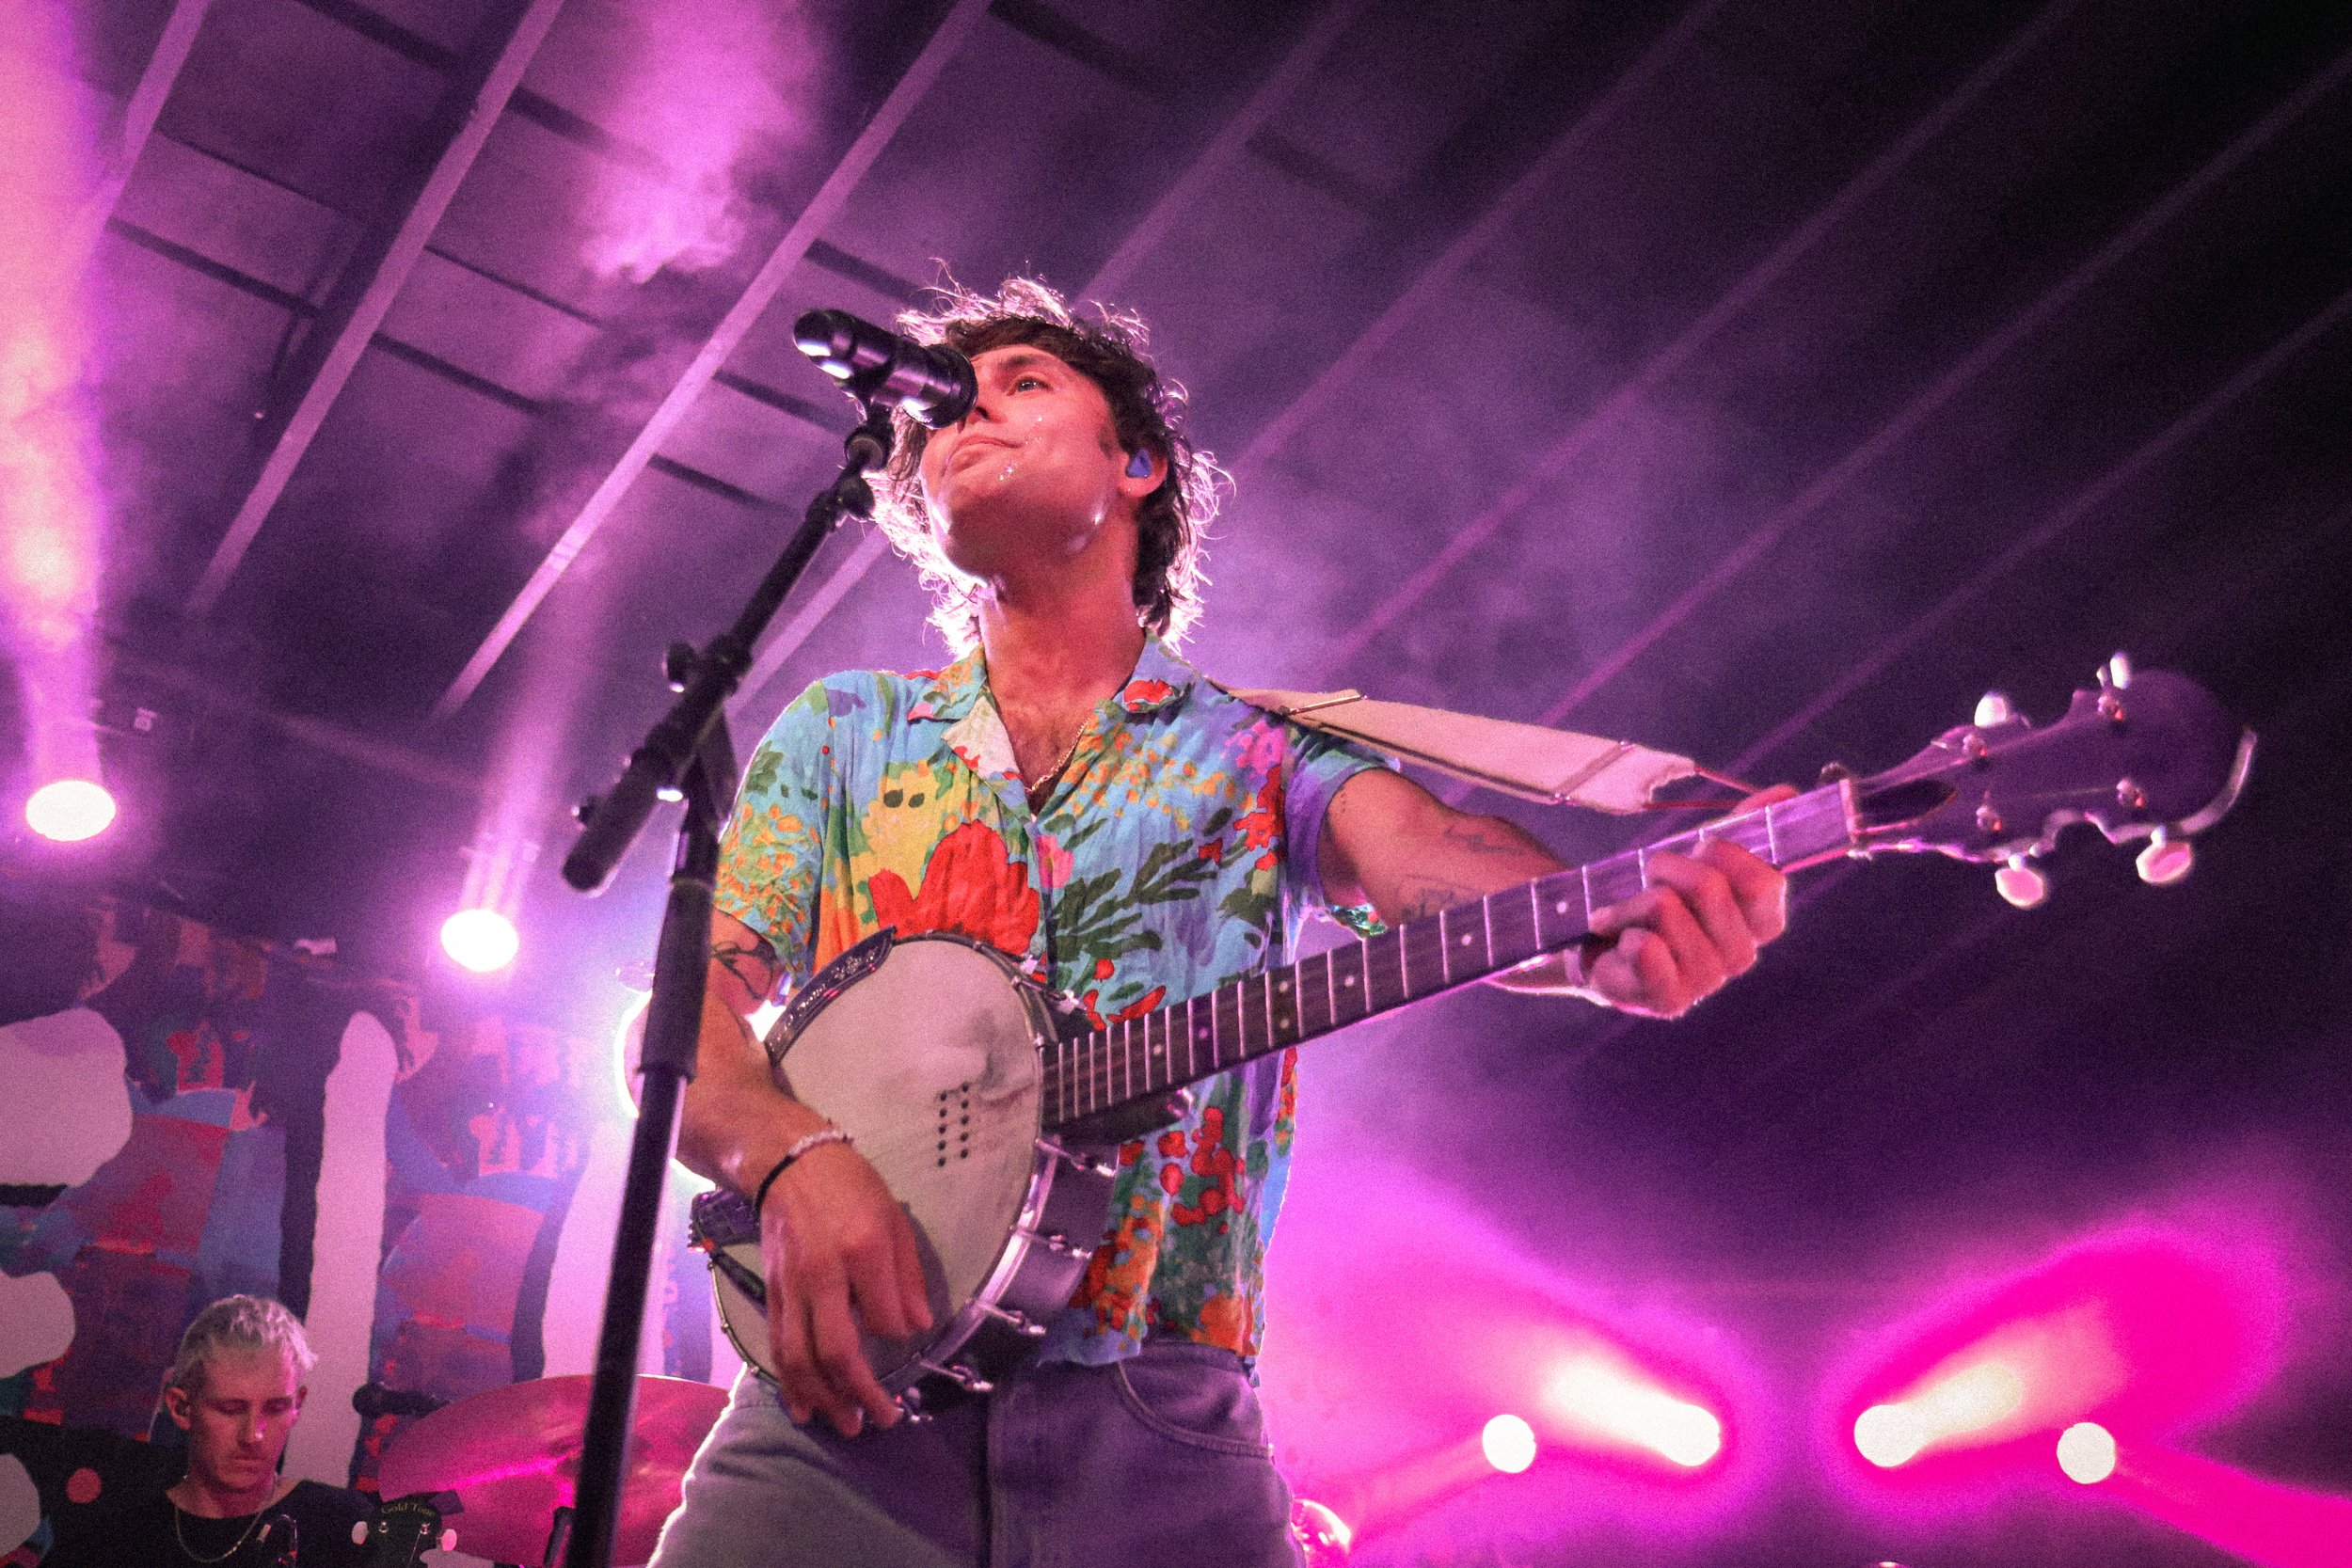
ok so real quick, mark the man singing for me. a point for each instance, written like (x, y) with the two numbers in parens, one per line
(236, 1389)
(1071, 793)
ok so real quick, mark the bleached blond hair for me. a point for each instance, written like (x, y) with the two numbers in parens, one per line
(239, 1326)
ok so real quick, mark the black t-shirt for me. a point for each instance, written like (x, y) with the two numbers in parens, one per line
(146, 1531)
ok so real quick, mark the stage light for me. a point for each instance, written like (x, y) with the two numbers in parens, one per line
(481, 940)
(1509, 1444)
(1601, 1400)
(1958, 1404)
(2252, 1519)
(1324, 1538)
(2086, 1452)
(70, 810)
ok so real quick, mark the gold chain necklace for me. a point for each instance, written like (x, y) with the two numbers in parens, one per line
(1042, 790)
(190, 1552)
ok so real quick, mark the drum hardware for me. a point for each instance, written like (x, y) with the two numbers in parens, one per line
(510, 1457)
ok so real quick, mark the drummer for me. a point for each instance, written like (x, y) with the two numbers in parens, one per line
(236, 1388)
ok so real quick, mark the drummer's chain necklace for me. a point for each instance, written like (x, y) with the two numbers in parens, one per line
(190, 1552)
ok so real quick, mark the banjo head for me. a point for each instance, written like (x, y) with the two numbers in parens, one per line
(929, 1059)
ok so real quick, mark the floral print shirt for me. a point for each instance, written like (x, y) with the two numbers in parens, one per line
(1175, 853)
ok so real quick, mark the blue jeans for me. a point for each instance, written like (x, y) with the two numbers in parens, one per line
(1163, 1455)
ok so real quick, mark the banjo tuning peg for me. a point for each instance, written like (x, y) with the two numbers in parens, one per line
(2165, 859)
(2022, 885)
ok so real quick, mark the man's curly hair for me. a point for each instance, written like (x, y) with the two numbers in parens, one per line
(1146, 412)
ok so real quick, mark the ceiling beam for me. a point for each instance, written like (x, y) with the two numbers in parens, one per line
(1223, 150)
(374, 280)
(1587, 431)
(1439, 274)
(788, 254)
(1274, 92)
(335, 740)
(2084, 503)
(145, 104)
(457, 375)
(1954, 380)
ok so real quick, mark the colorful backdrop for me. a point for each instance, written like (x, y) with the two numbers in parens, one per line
(399, 1168)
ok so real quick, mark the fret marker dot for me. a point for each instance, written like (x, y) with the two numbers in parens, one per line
(1466, 940)
(1561, 908)
(1349, 981)
(1283, 988)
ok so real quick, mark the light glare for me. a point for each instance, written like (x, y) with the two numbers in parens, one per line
(70, 810)
(1603, 1401)
(483, 941)
(1966, 1401)
(2086, 1452)
(1509, 1443)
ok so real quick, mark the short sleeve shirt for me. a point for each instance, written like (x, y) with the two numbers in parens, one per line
(1176, 852)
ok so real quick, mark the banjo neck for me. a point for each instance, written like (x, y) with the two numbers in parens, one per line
(1153, 1054)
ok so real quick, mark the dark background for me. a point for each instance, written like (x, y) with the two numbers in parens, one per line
(1761, 380)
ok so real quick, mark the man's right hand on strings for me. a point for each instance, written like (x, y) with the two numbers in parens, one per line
(837, 1248)
(839, 1252)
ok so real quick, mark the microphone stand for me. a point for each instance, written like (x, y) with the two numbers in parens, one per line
(688, 755)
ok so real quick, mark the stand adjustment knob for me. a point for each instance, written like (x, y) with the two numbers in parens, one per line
(678, 664)
(585, 812)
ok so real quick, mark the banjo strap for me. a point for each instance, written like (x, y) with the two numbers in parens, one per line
(1554, 767)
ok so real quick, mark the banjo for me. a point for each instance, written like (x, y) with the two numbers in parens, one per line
(994, 1117)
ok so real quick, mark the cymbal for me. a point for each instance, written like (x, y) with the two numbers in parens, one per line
(512, 1455)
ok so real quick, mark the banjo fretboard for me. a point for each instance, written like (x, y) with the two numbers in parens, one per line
(1154, 1054)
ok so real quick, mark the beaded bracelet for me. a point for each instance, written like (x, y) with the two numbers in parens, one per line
(828, 1133)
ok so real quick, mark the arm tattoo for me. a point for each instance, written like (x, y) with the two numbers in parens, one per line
(1420, 896)
(1490, 836)
(754, 966)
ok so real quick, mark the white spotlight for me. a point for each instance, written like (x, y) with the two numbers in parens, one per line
(2086, 1452)
(1509, 1443)
(70, 810)
(483, 941)
(1622, 1406)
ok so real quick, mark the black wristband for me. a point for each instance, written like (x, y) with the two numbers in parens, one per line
(759, 1195)
(829, 1134)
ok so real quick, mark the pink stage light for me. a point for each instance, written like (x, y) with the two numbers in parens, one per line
(2262, 1521)
(1509, 1444)
(480, 940)
(70, 810)
(2138, 1330)
(1488, 1326)
(2033, 1375)
(1324, 1538)
(1604, 1400)
(2086, 1452)
(1960, 1404)
(1392, 1496)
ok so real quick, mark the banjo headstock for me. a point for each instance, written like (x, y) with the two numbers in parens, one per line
(2148, 755)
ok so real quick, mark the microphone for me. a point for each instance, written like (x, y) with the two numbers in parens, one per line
(930, 382)
(372, 1399)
